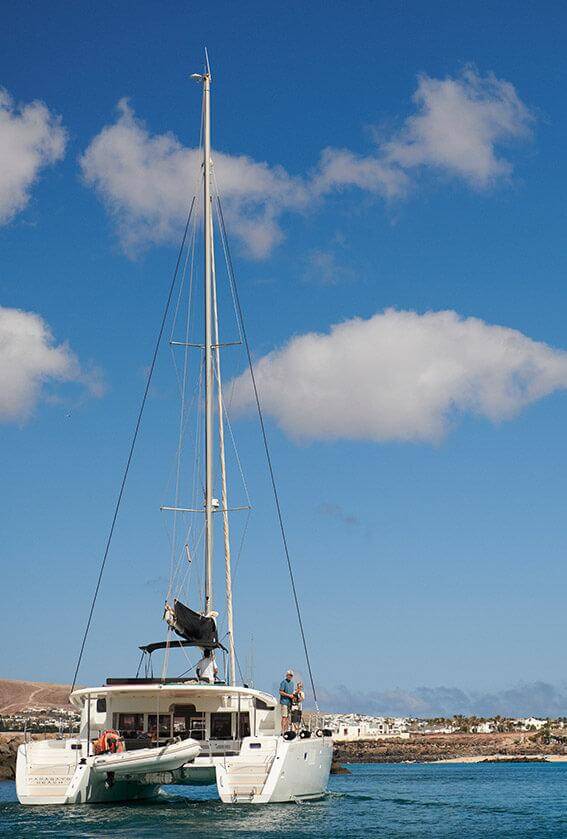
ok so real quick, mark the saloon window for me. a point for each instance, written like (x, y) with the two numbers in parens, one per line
(164, 724)
(221, 726)
(179, 724)
(191, 725)
(187, 722)
(244, 724)
(129, 723)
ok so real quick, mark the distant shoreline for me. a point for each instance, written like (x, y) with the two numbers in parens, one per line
(500, 758)
(454, 748)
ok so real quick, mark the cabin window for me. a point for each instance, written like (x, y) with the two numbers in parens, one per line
(130, 723)
(179, 724)
(197, 726)
(260, 705)
(221, 726)
(244, 724)
(164, 725)
(188, 722)
(101, 705)
(189, 725)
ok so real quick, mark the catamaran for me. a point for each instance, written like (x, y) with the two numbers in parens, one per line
(138, 734)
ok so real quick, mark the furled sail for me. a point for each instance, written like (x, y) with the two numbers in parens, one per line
(199, 630)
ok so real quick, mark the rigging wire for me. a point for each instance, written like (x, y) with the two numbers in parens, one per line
(196, 400)
(182, 417)
(239, 667)
(182, 383)
(232, 279)
(177, 583)
(132, 445)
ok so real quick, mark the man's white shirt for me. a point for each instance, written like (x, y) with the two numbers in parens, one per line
(206, 669)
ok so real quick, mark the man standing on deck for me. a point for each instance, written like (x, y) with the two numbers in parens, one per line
(206, 668)
(287, 689)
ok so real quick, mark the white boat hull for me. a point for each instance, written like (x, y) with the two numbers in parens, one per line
(297, 770)
(267, 770)
(54, 772)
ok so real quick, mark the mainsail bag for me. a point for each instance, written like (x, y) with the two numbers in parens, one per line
(195, 628)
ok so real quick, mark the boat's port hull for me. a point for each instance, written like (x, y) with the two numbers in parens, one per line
(82, 786)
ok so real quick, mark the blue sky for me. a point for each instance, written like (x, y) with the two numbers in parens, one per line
(424, 482)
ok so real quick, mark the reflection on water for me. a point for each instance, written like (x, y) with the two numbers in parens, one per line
(375, 801)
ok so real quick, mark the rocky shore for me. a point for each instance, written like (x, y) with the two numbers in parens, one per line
(427, 748)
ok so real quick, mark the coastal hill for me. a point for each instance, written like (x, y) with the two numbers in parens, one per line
(16, 696)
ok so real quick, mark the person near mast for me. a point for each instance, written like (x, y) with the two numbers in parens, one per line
(206, 668)
(287, 689)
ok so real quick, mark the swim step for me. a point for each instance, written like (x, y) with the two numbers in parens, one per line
(245, 781)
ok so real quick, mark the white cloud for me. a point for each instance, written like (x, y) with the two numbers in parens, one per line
(458, 126)
(31, 137)
(401, 376)
(340, 168)
(30, 358)
(146, 180)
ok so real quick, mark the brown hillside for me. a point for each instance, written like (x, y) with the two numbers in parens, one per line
(18, 695)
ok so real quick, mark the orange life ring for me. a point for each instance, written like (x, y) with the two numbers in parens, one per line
(111, 741)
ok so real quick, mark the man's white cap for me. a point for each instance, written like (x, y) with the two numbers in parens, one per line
(289, 672)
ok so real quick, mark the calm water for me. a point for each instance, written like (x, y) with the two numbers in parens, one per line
(376, 800)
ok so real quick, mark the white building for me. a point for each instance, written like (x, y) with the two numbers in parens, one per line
(352, 727)
(485, 727)
(531, 724)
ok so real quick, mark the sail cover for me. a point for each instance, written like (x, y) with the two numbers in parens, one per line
(195, 628)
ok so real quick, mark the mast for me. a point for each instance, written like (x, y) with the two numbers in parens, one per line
(209, 382)
(212, 354)
(224, 496)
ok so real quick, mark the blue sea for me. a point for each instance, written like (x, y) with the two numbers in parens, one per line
(377, 800)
